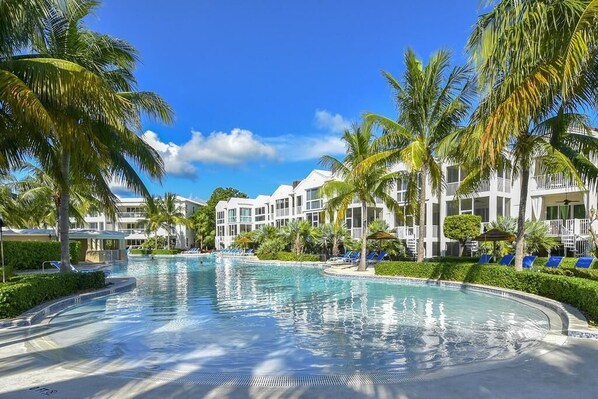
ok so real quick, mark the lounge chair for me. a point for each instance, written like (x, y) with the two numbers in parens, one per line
(378, 258)
(506, 260)
(345, 256)
(528, 261)
(354, 256)
(554, 261)
(485, 259)
(56, 264)
(370, 256)
(584, 262)
(248, 252)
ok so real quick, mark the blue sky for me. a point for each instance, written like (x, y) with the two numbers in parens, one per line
(262, 88)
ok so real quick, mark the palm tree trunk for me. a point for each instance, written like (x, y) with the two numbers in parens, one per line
(364, 217)
(156, 241)
(63, 213)
(520, 243)
(422, 215)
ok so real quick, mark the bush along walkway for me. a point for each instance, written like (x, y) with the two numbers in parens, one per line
(579, 292)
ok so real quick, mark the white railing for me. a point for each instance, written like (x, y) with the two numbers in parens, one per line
(132, 231)
(407, 231)
(578, 226)
(232, 219)
(132, 214)
(554, 227)
(356, 233)
(245, 219)
(557, 181)
(282, 212)
(504, 185)
(298, 209)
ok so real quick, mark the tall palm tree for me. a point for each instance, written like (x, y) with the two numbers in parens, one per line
(433, 102)
(331, 235)
(93, 117)
(363, 175)
(170, 208)
(296, 233)
(154, 218)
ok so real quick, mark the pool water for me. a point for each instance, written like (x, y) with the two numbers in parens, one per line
(224, 316)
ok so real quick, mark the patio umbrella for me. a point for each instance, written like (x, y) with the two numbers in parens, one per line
(494, 236)
(381, 235)
(244, 240)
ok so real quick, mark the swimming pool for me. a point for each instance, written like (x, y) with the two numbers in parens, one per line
(224, 317)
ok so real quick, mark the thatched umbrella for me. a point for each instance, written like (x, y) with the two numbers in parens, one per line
(494, 236)
(244, 240)
(381, 235)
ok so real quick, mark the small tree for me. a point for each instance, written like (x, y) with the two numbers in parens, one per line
(462, 228)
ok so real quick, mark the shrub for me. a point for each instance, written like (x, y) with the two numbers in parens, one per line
(462, 228)
(590, 274)
(156, 251)
(289, 257)
(22, 255)
(270, 247)
(25, 292)
(581, 293)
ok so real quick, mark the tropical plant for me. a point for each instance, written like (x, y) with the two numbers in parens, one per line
(296, 233)
(154, 219)
(330, 236)
(172, 214)
(536, 235)
(530, 73)
(462, 228)
(363, 174)
(433, 101)
(80, 86)
(271, 246)
(264, 232)
(594, 231)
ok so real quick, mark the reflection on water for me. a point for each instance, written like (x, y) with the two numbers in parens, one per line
(221, 317)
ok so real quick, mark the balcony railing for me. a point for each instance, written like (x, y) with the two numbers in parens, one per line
(578, 227)
(132, 231)
(451, 188)
(245, 219)
(554, 182)
(232, 219)
(132, 214)
(282, 212)
(298, 209)
(504, 185)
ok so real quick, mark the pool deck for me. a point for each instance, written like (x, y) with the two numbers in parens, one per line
(559, 367)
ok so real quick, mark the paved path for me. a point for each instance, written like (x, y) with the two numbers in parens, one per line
(565, 368)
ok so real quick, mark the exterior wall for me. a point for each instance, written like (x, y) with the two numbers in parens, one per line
(130, 220)
(499, 196)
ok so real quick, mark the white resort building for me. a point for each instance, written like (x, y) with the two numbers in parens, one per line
(131, 221)
(560, 203)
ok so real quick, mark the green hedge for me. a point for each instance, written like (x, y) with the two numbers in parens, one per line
(156, 251)
(590, 274)
(23, 255)
(578, 292)
(289, 257)
(22, 293)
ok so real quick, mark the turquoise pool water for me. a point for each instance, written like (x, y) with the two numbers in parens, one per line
(247, 319)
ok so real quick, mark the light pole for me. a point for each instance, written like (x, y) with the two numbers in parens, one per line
(2, 250)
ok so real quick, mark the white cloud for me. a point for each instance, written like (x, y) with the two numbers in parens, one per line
(334, 123)
(234, 148)
(302, 148)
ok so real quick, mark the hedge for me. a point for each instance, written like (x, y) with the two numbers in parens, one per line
(289, 257)
(22, 293)
(581, 293)
(23, 255)
(174, 251)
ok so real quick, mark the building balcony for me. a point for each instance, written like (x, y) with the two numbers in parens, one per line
(132, 231)
(282, 212)
(554, 182)
(451, 188)
(577, 227)
(135, 215)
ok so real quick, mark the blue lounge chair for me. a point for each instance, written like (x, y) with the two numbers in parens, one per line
(584, 262)
(378, 258)
(344, 257)
(528, 261)
(485, 259)
(554, 261)
(354, 256)
(506, 260)
(370, 256)
(248, 252)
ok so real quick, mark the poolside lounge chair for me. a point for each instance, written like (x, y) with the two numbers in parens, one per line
(370, 256)
(353, 257)
(584, 262)
(554, 261)
(485, 259)
(248, 252)
(506, 260)
(528, 261)
(337, 258)
(56, 264)
(378, 258)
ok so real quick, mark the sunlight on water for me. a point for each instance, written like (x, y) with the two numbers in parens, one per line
(222, 317)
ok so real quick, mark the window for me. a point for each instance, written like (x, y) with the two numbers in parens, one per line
(313, 199)
(232, 216)
(452, 208)
(507, 207)
(244, 228)
(436, 215)
(313, 218)
(220, 231)
(499, 206)
(232, 230)
(260, 214)
(299, 204)
(579, 211)
(282, 207)
(245, 215)
(220, 217)
(402, 190)
(452, 174)
(466, 206)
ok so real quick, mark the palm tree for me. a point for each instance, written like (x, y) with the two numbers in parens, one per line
(433, 101)
(363, 175)
(330, 236)
(296, 233)
(154, 218)
(172, 215)
(92, 118)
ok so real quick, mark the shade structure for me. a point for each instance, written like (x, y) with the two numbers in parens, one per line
(381, 235)
(495, 235)
(244, 240)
